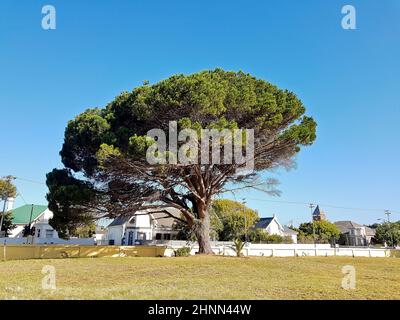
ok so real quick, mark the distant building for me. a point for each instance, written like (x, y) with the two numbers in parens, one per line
(143, 225)
(38, 216)
(100, 236)
(354, 234)
(318, 215)
(271, 225)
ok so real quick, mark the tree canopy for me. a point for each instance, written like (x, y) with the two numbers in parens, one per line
(261, 236)
(325, 231)
(7, 224)
(227, 221)
(388, 232)
(7, 190)
(234, 219)
(104, 153)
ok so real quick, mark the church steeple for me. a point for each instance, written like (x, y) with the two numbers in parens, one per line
(318, 215)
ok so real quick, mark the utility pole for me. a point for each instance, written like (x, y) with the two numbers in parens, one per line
(245, 220)
(30, 223)
(312, 221)
(388, 213)
(2, 215)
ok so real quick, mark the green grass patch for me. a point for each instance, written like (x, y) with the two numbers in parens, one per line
(199, 277)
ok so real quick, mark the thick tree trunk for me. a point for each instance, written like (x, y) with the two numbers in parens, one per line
(202, 232)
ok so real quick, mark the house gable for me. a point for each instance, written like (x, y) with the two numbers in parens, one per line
(22, 215)
(270, 225)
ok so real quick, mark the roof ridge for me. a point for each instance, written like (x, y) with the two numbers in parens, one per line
(29, 205)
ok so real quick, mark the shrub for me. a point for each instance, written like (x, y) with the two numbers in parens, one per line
(325, 231)
(287, 239)
(183, 252)
(238, 247)
(304, 239)
(273, 238)
(260, 236)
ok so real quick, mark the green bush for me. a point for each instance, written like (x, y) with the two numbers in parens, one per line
(325, 231)
(260, 236)
(183, 252)
(273, 238)
(238, 246)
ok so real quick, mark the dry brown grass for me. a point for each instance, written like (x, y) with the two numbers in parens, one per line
(202, 278)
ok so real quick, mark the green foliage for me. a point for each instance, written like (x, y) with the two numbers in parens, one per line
(105, 152)
(186, 233)
(287, 239)
(7, 189)
(85, 231)
(227, 221)
(325, 231)
(208, 99)
(7, 223)
(233, 219)
(139, 144)
(303, 238)
(67, 198)
(183, 252)
(303, 133)
(186, 123)
(83, 137)
(388, 232)
(257, 235)
(238, 246)
(260, 236)
(273, 238)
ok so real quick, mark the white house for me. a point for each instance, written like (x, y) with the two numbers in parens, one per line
(37, 215)
(271, 225)
(143, 225)
(354, 234)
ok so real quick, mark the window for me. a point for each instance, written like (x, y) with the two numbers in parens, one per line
(38, 233)
(158, 236)
(141, 236)
(167, 236)
(49, 233)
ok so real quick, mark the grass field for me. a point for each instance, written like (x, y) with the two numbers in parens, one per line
(202, 278)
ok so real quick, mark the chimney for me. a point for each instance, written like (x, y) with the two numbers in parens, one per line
(10, 204)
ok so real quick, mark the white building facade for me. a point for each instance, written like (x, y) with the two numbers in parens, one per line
(142, 226)
(37, 216)
(272, 226)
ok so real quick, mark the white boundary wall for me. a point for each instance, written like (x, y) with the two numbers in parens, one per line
(81, 241)
(226, 248)
(281, 250)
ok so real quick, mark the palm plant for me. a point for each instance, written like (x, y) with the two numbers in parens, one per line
(238, 246)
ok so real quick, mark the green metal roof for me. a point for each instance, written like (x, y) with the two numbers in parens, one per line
(22, 214)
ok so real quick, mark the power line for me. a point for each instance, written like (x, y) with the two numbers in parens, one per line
(31, 181)
(27, 180)
(22, 197)
(255, 199)
(322, 204)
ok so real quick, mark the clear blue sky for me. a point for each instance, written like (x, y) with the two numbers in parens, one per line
(348, 80)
